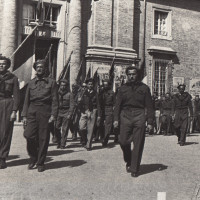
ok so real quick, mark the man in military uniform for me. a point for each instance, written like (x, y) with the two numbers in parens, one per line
(9, 103)
(165, 114)
(107, 103)
(65, 111)
(196, 110)
(39, 110)
(181, 103)
(90, 109)
(132, 100)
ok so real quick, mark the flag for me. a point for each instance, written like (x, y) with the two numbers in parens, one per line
(79, 78)
(88, 74)
(24, 61)
(112, 71)
(39, 10)
(96, 81)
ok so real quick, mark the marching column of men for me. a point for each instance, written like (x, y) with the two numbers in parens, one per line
(85, 110)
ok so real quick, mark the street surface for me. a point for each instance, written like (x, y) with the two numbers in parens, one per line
(76, 174)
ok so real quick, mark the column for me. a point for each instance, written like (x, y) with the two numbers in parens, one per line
(74, 38)
(9, 28)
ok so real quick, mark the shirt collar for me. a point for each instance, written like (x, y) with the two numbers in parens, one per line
(45, 79)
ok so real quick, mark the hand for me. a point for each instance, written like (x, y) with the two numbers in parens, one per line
(116, 124)
(68, 116)
(13, 116)
(24, 122)
(173, 118)
(149, 128)
(98, 121)
(51, 119)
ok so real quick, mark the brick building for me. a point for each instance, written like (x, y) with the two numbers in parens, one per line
(171, 39)
(159, 36)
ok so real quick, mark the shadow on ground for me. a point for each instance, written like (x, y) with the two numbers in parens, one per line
(12, 157)
(190, 143)
(67, 163)
(24, 162)
(59, 152)
(149, 168)
(109, 146)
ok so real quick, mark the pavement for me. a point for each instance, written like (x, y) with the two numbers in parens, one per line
(168, 172)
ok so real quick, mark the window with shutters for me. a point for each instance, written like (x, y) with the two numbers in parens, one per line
(161, 24)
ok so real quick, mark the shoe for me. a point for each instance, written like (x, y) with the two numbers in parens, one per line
(62, 147)
(3, 164)
(128, 168)
(31, 166)
(178, 142)
(182, 144)
(88, 148)
(58, 146)
(41, 168)
(54, 140)
(134, 174)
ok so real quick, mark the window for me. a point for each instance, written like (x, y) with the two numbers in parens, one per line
(161, 76)
(162, 24)
(49, 16)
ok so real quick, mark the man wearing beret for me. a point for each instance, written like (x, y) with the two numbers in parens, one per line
(107, 103)
(90, 114)
(133, 98)
(181, 103)
(9, 103)
(65, 111)
(39, 111)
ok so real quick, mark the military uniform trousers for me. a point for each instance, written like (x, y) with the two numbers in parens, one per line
(37, 132)
(166, 121)
(62, 127)
(108, 125)
(6, 126)
(87, 126)
(181, 124)
(132, 129)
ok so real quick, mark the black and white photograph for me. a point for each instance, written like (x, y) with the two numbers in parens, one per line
(99, 99)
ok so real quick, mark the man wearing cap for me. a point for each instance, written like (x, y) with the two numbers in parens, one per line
(165, 114)
(181, 103)
(90, 114)
(9, 103)
(39, 111)
(133, 98)
(107, 102)
(65, 111)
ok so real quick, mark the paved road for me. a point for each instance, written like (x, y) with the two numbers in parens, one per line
(75, 174)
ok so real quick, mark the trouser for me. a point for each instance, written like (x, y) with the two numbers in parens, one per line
(37, 132)
(181, 124)
(87, 126)
(132, 129)
(166, 121)
(6, 127)
(108, 125)
(61, 129)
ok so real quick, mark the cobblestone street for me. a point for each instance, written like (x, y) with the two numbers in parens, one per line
(76, 174)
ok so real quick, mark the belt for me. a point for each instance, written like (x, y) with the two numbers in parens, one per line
(132, 109)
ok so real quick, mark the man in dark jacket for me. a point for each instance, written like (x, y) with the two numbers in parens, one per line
(132, 100)
(39, 110)
(166, 114)
(107, 103)
(65, 111)
(90, 114)
(9, 103)
(181, 103)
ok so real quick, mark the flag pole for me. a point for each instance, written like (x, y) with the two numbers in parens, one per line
(24, 41)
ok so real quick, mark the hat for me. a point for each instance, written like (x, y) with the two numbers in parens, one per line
(89, 80)
(42, 61)
(6, 59)
(131, 68)
(64, 81)
(182, 84)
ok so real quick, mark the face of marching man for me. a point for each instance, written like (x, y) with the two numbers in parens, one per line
(40, 69)
(132, 75)
(3, 66)
(90, 85)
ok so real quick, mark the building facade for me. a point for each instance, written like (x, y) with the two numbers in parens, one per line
(160, 37)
